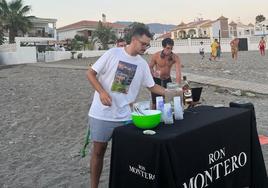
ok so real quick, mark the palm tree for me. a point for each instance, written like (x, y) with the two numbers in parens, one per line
(13, 16)
(2, 39)
(104, 35)
(260, 18)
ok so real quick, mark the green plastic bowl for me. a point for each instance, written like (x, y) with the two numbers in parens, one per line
(148, 121)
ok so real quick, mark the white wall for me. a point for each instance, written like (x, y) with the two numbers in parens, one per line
(192, 45)
(60, 55)
(21, 55)
(12, 54)
(215, 29)
(66, 34)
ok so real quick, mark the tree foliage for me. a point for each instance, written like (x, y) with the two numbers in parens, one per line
(81, 43)
(260, 18)
(104, 35)
(14, 19)
(131, 28)
(2, 39)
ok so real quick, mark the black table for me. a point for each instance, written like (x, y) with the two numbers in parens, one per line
(211, 147)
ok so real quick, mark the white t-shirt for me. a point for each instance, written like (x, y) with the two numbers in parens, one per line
(201, 48)
(121, 75)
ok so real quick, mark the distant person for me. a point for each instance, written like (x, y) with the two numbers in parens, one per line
(62, 48)
(234, 48)
(202, 50)
(161, 64)
(262, 46)
(219, 50)
(121, 43)
(214, 46)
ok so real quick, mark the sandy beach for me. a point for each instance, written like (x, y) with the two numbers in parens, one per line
(43, 116)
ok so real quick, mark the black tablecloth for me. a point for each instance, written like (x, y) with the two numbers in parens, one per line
(211, 147)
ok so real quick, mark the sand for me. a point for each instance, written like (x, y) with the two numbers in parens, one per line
(43, 117)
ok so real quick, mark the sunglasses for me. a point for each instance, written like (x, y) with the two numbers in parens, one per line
(144, 44)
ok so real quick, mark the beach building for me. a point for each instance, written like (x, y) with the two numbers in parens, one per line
(201, 28)
(261, 28)
(86, 27)
(43, 30)
(241, 30)
(162, 36)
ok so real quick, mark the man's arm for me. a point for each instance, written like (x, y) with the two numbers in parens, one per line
(104, 96)
(157, 89)
(178, 69)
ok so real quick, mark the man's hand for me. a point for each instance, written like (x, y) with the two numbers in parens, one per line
(105, 98)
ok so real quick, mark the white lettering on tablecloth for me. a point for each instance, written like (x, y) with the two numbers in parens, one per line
(218, 170)
(141, 171)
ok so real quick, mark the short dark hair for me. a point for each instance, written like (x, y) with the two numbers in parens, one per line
(167, 41)
(140, 31)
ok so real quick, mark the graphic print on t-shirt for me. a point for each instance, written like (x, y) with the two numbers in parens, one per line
(123, 77)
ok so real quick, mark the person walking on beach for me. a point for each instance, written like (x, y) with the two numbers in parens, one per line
(121, 43)
(161, 64)
(219, 50)
(116, 77)
(202, 50)
(234, 48)
(214, 46)
(262, 46)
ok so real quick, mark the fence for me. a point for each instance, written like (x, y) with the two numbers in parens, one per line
(192, 45)
(14, 54)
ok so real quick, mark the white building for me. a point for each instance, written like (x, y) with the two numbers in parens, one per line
(43, 27)
(241, 30)
(261, 28)
(202, 29)
(43, 30)
(85, 28)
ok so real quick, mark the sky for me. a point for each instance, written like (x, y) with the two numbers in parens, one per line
(147, 11)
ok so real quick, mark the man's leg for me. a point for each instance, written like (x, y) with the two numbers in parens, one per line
(262, 51)
(96, 162)
(236, 53)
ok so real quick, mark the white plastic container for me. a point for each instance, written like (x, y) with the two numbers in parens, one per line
(178, 110)
(160, 106)
(168, 116)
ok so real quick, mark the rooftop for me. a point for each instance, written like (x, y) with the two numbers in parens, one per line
(87, 23)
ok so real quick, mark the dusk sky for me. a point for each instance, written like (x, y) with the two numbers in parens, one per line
(147, 11)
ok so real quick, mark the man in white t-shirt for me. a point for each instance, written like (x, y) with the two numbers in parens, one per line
(117, 77)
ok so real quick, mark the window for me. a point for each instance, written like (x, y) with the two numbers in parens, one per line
(175, 35)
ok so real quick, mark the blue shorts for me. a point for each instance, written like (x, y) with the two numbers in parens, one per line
(101, 130)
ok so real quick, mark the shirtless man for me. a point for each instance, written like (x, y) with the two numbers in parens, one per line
(234, 48)
(262, 46)
(161, 64)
